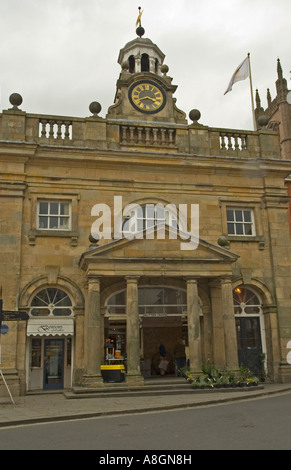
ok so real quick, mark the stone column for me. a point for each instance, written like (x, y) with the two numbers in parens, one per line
(194, 336)
(132, 332)
(93, 377)
(78, 364)
(218, 342)
(231, 352)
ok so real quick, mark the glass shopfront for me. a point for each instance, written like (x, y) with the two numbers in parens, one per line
(50, 362)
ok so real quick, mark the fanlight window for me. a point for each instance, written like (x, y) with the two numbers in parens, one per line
(246, 302)
(51, 302)
(151, 301)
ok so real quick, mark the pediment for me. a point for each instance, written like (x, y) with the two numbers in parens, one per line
(158, 250)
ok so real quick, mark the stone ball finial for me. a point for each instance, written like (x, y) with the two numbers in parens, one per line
(263, 120)
(125, 65)
(95, 108)
(16, 100)
(140, 31)
(194, 115)
(93, 240)
(164, 69)
(223, 241)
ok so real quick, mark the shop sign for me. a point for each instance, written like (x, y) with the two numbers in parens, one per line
(155, 315)
(14, 316)
(52, 329)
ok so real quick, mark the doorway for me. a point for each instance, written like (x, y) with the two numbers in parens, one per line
(53, 366)
(249, 343)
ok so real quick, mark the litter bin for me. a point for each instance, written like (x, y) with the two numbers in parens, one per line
(114, 373)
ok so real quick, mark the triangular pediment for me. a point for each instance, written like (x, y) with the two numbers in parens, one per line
(164, 247)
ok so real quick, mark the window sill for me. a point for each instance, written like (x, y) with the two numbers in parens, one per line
(53, 233)
(245, 238)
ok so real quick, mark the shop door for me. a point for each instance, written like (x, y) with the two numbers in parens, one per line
(249, 343)
(53, 364)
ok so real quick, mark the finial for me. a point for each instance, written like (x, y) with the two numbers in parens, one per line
(269, 98)
(16, 100)
(258, 99)
(279, 69)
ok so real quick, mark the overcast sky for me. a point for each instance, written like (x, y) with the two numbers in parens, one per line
(61, 55)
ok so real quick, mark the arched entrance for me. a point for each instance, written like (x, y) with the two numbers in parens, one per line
(250, 328)
(50, 332)
(162, 320)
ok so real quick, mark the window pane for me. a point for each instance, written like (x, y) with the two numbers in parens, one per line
(69, 352)
(247, 216)
(230, 229)
(150, 212)
(43, 222)
(62, 312)
(36, 353)
(64, 208)
(239, 229)
(253, 310)
(53, 222)
(248, 229)
(230, 215)
(160, 212)
(238, 216)
(43, 207)
(150, 223)
(41, 299)
(64, 223)
(54, 208)
(40, 312)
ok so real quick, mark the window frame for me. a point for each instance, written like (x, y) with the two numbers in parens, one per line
(243, 223)
(57, 216)
(35, 198)
(49, 300)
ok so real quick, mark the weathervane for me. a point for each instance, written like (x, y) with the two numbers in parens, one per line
(139, 30)
(138, 21)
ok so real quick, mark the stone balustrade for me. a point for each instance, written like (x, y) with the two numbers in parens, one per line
(156, 136)
(105, 133)
(233, 141)
(58, 129)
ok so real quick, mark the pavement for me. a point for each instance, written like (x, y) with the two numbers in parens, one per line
(52, 407)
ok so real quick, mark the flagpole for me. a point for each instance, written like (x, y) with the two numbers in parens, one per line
(252, 93)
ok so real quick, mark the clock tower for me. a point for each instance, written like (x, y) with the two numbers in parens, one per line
(144, 91)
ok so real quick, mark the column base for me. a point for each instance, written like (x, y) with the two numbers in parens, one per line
(92, 381)
(134, 380)
(196, 373)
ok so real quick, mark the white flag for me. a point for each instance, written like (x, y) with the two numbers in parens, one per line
(241, 73)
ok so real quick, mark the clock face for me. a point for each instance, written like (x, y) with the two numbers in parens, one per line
(147, 97)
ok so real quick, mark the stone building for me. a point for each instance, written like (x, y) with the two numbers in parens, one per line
(156, 273)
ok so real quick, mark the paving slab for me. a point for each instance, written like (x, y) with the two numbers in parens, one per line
(46, 407)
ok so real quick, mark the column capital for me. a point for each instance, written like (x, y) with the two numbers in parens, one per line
(132, 279)
(226, 279)
(193, 280)
(93, 280)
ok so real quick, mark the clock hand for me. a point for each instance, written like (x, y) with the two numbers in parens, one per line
(147, 98)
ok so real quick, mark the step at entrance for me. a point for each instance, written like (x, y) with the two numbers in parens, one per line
(151, 387)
